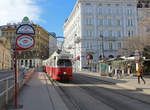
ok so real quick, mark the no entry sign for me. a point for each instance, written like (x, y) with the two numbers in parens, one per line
(24, 42)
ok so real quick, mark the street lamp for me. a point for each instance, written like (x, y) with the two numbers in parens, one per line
(102, 37)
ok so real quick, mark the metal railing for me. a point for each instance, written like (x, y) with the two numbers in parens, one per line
(7, 88)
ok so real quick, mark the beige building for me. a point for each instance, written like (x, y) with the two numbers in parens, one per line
(31, 57)
(5, 56)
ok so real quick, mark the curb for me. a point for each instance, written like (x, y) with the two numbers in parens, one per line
(126, 86)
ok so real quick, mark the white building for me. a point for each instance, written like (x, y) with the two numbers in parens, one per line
(92, 20)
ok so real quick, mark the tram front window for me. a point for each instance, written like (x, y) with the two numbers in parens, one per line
(64, 63)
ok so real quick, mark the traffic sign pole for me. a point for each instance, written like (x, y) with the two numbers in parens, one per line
(16, 77)
(23, 42)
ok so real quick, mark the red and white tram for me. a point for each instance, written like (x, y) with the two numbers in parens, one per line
(59, 66)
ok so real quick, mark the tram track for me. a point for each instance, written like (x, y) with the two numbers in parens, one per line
(68, 99)
(100, 95)
(131, 96)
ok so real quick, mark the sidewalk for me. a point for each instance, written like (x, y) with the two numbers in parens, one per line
(39, 94)
(127, 83)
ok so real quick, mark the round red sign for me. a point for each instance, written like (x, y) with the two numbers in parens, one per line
(24, 42)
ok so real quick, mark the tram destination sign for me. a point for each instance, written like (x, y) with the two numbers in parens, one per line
(25, 41)
(25, 27)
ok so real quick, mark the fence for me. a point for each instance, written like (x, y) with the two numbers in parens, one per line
(7, 87)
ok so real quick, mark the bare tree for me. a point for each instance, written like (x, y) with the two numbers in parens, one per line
(130, 44)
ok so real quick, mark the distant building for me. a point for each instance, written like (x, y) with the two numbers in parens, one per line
(34, 56)
(5, 55)
(52, 43)
(98, 27)
(60, 45)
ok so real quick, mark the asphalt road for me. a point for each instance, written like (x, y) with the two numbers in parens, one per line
(87, 93)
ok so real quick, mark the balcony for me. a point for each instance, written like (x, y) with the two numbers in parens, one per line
(111, 38)
(90, 51)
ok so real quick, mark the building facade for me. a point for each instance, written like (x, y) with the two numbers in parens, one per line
(32, 57)
(96, 28)
(143, 8)
(5, 55)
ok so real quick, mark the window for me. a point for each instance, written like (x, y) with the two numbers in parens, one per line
(10, 34)
(101, 22)
(88, 10)
(100, 11)
(129, 12)
(109, 11)
(110, 33)
(21, 62)
(129, 34)
(88, 21)
(117, 4)
(87, 45)
(88, 3)
(118, 22)
(108, 4)
(100, 33)
(117, 11)
(90, 33)
(100, 4)
(130, 22)
(129, 4)
(6, 34)
(10, 40)
(118, 33)
(119, 45)
(91, 45)
(3, 34)
(110, 46)
(132, 32)
(109, 22)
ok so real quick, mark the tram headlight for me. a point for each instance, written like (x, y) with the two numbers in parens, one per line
(65, 73)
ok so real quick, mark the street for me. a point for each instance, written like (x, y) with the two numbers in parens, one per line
(87, 93)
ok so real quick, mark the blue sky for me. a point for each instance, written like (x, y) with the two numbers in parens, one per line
(54, 13)
(50, 14)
